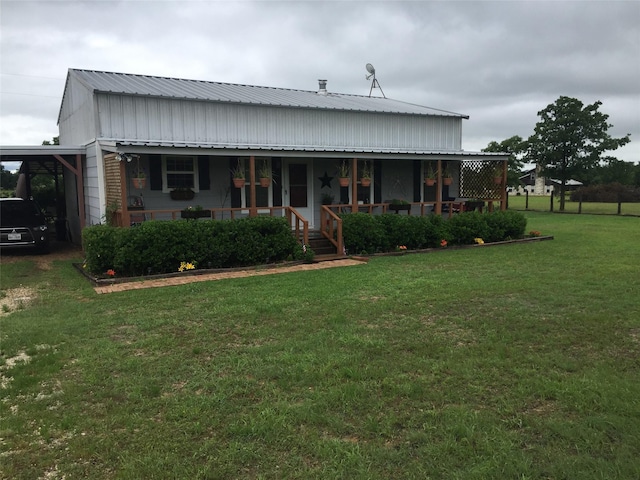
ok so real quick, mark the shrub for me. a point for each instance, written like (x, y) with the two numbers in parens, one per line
(160, 247)
(606, 193)
(383, 233)
(463, 228)
(99, 243)
(504, 225)
(363, 233)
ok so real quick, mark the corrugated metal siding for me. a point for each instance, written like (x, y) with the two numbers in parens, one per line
(164, 120)
(77, 119)
(174, 88)
(91, 190)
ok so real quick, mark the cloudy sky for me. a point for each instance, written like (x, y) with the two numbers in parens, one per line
(498, 62)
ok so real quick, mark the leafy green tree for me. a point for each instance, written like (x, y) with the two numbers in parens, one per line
(570, 139)
(54, 141)
(8, 180)
(613, 171)
(517, 148)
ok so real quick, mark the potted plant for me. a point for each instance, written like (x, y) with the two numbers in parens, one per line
(182, 193)
(139, 179)
(446, 177)
(343, 174)
(397, 204)
(497, 175)
(195, 212)
(238, 175)
(264, 173)
(430, 177)
(365, 178)
(327, 199)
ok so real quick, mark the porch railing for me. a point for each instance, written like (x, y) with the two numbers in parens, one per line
(299, 225)
(331, 226)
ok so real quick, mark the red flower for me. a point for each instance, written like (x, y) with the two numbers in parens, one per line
(443, 243)
(111, 272)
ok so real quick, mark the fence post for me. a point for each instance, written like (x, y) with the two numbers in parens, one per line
(580, 203)
(526, 200)
(619, 204)
(551, 205)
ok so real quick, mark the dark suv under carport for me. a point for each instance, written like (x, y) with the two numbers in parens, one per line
(22, 224)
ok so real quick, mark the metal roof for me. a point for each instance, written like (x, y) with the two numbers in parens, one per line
(176, 88)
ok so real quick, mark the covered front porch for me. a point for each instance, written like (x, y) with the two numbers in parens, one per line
(311, 191)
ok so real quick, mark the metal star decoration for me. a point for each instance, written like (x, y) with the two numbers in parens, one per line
(325, 180)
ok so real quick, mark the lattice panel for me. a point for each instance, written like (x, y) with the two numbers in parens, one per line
(112, 179)
(477, 180)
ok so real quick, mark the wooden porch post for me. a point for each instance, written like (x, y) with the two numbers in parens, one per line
(77, 171)
(354, 185)
(126, 216)
(503, 196)
(80, 188)
(253, 210)
(439, 188)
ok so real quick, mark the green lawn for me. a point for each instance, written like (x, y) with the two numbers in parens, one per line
(512, 362)
(543, 204)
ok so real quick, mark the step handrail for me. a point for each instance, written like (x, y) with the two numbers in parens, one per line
(331, 228)
(297, 221)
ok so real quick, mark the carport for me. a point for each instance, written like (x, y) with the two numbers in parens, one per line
(53, 160)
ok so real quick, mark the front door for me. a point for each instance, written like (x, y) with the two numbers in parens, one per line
(297, 192)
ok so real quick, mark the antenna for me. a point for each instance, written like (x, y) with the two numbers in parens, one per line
(374, 83)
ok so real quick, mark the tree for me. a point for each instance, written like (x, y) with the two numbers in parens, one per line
(55, 141)
(517, 148)
(569, 139)
(8, 180)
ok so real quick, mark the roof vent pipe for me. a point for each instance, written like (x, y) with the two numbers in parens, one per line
(322, 87)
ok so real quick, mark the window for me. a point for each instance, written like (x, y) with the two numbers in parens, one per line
(179, 172)
(263, 195)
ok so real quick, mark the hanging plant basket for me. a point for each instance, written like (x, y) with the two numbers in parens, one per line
(238, 182)
(429, 182)
(182, 194)
(139, 183)
(447, 181)
(365, 182)
(497, 180)
(265, 182)
(343, 181)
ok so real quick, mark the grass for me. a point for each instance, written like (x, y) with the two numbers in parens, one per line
(543, 204)
(514, 362)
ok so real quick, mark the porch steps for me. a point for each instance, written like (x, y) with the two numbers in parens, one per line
(321, 245)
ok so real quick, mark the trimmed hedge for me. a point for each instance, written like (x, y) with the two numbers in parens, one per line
(367, 234)
(160, 246)
(607, 193)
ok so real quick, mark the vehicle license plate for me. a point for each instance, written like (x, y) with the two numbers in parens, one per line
(14, 236)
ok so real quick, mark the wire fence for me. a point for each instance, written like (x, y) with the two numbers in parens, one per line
(550, 203)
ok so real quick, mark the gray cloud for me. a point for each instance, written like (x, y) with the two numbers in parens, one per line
(499, 62)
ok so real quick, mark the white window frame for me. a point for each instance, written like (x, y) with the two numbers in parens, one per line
(196, 178)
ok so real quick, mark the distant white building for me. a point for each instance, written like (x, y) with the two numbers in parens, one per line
(531, 181)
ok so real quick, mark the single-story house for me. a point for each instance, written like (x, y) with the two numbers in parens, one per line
(138, 147)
